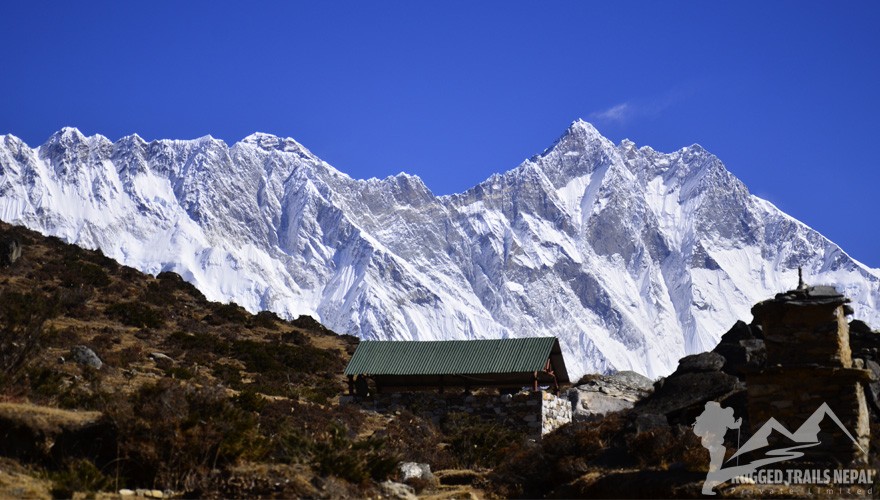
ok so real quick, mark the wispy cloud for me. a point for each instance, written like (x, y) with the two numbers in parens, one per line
(619, 113)
(632, 109)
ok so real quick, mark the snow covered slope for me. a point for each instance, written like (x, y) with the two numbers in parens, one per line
(632, 257)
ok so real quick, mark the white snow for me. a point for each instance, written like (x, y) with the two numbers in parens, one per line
(268, 225)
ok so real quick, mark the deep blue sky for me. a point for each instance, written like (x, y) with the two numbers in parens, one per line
(787, 94)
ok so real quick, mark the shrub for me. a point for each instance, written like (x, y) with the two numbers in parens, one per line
(267, 358)
(78, 476)
(46, 383)
(98, 257)
(21, 330)
(266, 319)
(478, 443)
(250, 401)
(199, 342)
(174, 280)
(76, 274)
(418, 440)
(280, 368)
(318, 389)
(159, 293)
(125, 356)
(135, 314)
(72, 301)
(179, 372)
(229, 313)
(334, 453)
(665, 447)
(173, 435)
(307, 322)
(294, 337)
(20, 309)
(228, 374)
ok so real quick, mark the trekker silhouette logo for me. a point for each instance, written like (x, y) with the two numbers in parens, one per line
(714, 423)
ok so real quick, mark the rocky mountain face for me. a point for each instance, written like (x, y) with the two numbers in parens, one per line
(632, 257)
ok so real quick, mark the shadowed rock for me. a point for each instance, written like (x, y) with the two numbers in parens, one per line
(10, 251)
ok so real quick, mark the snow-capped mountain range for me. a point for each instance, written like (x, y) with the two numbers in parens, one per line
(632, 257)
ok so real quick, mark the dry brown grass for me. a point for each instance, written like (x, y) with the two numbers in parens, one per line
(19, 482)
(46, 419)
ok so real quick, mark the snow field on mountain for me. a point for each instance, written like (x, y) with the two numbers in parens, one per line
(632, 257)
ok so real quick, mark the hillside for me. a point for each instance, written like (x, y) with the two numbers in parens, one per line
(181, 394)
(113, 380)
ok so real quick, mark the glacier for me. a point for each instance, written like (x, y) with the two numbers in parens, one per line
(633, 258)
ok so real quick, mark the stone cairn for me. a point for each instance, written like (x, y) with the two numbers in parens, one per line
(809, 362)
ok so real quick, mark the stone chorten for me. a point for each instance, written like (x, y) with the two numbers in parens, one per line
(809, 362)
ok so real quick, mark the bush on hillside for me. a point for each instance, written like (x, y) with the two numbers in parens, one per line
(135, 314)
(177, 433)
(22, 317)
(228, 313)
(78, 476)
(479, 443)
(79, 274)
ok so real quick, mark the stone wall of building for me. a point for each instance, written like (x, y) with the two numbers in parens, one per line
(534, 413)
(555, 412)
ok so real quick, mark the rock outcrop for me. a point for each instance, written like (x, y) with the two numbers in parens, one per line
(597, 395)
(10, 251)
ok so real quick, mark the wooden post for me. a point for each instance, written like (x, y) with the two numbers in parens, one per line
(548, 368)
(535, 382)
(351, 385)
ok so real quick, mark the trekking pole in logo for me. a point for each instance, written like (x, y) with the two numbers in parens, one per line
(737, 445)
(710, 426)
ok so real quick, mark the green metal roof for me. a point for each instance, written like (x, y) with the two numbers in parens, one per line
(451, 357)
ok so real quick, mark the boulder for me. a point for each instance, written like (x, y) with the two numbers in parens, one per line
(703, 362)
(598, 395)
(589, 405)
(633, 379)
(85, 356)
(414, 470)
(683, 395)
(398, 491)
(742, 348)
(859, 326)
(10, 251)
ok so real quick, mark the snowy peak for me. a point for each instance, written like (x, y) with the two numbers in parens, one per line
(632, 257)
(584, 130)
(67, 135)
(271, 142)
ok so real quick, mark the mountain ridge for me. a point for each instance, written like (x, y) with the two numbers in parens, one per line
(632, 257)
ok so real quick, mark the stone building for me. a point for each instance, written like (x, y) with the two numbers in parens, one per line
(809, 363)
(434, 378)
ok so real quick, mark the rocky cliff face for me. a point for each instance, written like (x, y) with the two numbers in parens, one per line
(632, 257)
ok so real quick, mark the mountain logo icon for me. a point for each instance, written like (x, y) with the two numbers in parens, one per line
(715, 421)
